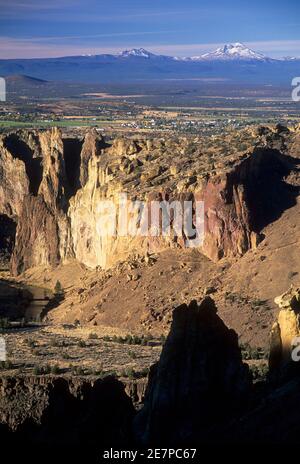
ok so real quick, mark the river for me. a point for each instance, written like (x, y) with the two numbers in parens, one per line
(22, 301)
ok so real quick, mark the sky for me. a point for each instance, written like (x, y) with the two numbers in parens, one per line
(50, 28)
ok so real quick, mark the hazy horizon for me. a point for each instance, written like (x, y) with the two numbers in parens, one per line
(73, 27)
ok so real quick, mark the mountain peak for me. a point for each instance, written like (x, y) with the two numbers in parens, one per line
(136, 52)
(234, 51)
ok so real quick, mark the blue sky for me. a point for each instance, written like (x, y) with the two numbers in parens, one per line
(31, 28)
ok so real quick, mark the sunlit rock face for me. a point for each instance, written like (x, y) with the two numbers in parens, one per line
(140, 170)
(34, 192)
(47, 178)
(92, 146)
(14, 183)
(285, 331)
(54, 186)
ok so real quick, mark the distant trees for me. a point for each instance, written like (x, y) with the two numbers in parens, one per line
(58, 289)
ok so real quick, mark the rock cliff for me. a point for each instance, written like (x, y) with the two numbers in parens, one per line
(199, 393)
(54, 188)
(68, 414)
(42, 225)
(284, 332)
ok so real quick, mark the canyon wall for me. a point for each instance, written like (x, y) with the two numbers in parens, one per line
(199, 381)
(54, 188)
(65, 413)
(199, 393)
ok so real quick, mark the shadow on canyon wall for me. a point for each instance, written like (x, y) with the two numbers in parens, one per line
(267, 192)
(7, 238)
(33, 163)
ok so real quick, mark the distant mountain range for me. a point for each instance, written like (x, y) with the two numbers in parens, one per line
(229, 52)
(230, 63)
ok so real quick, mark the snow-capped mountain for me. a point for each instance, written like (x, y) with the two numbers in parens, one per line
(229, 52)
(231, 63)
(235, 51)
(136, 52)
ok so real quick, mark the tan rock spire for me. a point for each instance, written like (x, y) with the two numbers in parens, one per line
(286, 329)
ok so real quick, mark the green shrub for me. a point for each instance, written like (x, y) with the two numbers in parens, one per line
(42, 370)
(249, 352)
(129, 339)
(131, 374)
(55, 370)
(4, 323)
(77, 370)
(58, 289)
(54, 343)
(144, 372)
(132, 354)
(6, 365)
(47, 369)
(37, 370)
(36, 352)
(162, 339)
(30, 342)
(259, 373)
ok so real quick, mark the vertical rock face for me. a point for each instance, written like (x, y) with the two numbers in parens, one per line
(95, 243)
(14, 183)
(54, 186)
(125, 168)
(285, 330)
(72, 179)
(42, 230)
(232, 220)
(93, 143)
(199, 379)
(227, 228)
(37, 237)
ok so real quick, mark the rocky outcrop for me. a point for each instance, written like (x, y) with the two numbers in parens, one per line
(199, 393)
(284, 332)
(199, 380)
(92, 146)
(232, 220)
(54, 186)
(67, 414)
(40, 198)
(136, 390)
(40, 169)
(14, 183)
(227, 227)
(126, 168)
(37, 237)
